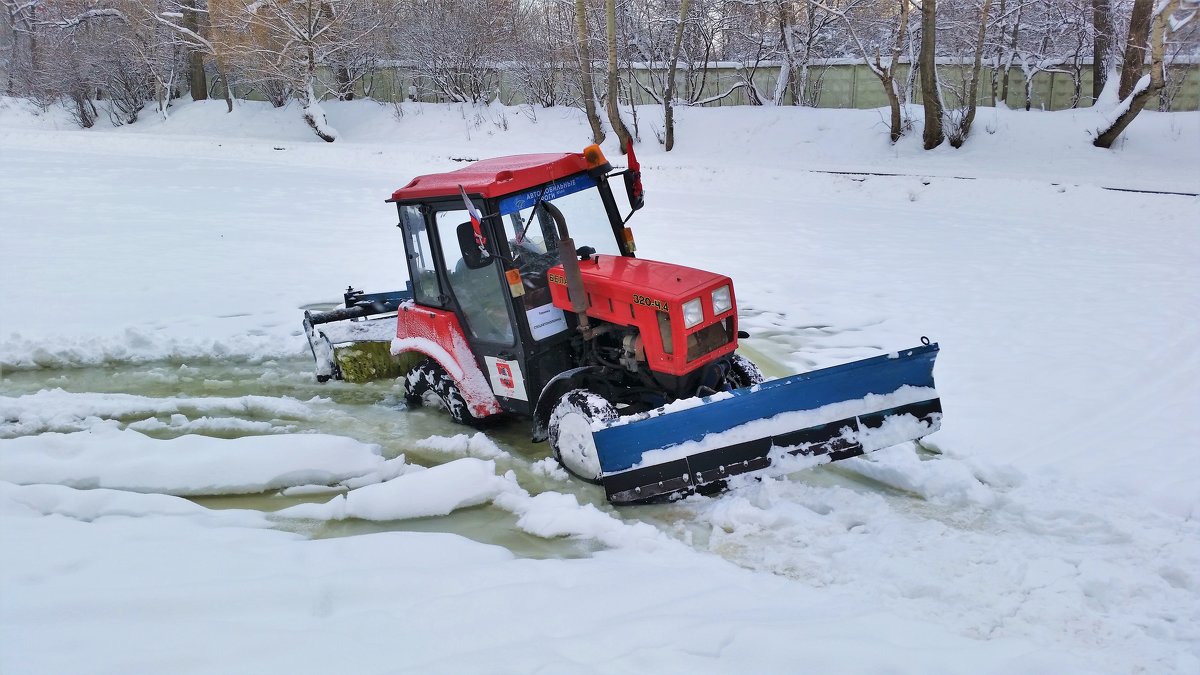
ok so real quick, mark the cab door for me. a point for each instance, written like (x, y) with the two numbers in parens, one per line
(481, 298)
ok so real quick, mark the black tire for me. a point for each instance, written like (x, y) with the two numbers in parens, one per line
(743, 373)
(570, 434)
(428, 385)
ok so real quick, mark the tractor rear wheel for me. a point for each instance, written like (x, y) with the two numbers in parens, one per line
(570, 431)
(428, 385)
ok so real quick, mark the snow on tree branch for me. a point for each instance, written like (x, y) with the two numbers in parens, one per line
(89, 15)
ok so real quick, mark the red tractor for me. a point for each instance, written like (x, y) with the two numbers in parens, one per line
(526, 298)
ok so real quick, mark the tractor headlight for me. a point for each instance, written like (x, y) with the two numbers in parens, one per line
(721, 301)
(693, 313)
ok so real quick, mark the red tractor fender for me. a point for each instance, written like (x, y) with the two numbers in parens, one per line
(437, 334)
(552, 392)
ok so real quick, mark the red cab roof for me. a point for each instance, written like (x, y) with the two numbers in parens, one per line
(495, 177)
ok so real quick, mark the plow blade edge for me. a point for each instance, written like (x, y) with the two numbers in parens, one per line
(840, 412)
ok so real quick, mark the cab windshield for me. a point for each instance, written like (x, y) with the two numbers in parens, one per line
(533, 232)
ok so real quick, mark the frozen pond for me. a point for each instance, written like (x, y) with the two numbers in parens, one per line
(373, 413)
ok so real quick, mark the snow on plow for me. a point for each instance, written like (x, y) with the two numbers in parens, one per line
(842, 411)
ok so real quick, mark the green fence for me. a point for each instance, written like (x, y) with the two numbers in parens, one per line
(832, 84)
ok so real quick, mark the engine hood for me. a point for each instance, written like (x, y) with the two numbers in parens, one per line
(622, 278)
(651, 295)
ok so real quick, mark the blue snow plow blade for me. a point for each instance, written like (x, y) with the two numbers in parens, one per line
(842, 411)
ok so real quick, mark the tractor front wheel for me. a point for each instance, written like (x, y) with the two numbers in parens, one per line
(428, 385)
(743, 373)
(570, 431)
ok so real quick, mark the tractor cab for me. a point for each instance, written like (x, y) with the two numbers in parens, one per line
(483, 244)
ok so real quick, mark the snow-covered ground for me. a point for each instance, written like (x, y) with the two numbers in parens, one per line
(152, 279)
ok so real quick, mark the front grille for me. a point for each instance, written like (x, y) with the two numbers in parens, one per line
(709, 338)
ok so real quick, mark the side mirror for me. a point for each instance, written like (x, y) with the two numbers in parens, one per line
(633, 187)
(474, 255)
(633, 179)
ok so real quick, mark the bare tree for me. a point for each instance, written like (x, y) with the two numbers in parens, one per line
(750, 43)
(107, 49)
(353, 67)
(197, 79)
(805, 29)
(192, 28)
(1006, 47)
(159, 56)
(1183, 42)
(960, 117)
(675, 45)
(285, 41)
(614, 109)
(454, 59)
(78, 45)
(1147, 23)
(584, 54)
(890, 34)
(1053, 38)
(672, 67)
(536, 53)
(1101, 44)
(20, 44)
(1136, 46)
(931, 98)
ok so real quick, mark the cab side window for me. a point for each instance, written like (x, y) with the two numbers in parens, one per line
(481, 294)
(426, 288)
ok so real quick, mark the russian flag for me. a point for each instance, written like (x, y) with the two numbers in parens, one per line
(476, 222)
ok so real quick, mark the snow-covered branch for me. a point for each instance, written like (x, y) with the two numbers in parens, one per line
(89, 15)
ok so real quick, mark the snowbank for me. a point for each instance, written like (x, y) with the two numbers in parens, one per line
(436, 491)
(109, 457)
(94, 504)
(58, 410)
(433, 603)
(462, 483)
(475, 445)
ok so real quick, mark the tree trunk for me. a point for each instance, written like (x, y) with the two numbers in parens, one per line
(995, 80)
(14, 58)
(669, 95)
(160, 96)
(889, 74)
(973, 86)
(197, 80)
(933, 135)
(614, 111)
(228, 90)
(314, 115)
(1012, 48)
(1102, 40)
(345, 86)
(1143, 15)
(910, 78)
(889, 86)
(1133, 63)
(223, 74)
(34, 60)
(585, 71)
(786, 82)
